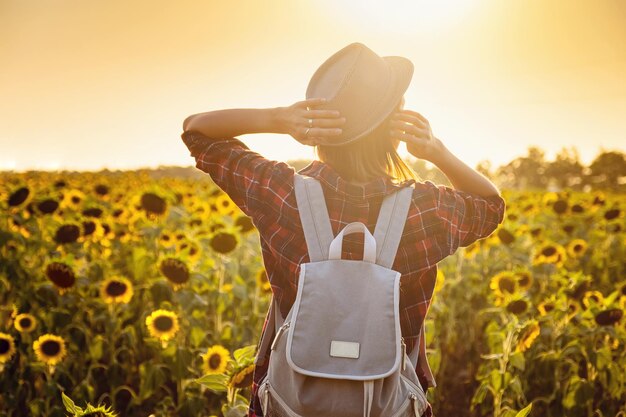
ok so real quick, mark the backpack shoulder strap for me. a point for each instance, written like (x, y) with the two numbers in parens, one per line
(390, 225)
(314, 216)
(388, 232)
(318, 234)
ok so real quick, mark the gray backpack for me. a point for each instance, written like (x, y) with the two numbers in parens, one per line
(339, 352)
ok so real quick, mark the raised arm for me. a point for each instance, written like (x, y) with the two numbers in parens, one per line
(300, 120)
(233, 122)
(413, 128)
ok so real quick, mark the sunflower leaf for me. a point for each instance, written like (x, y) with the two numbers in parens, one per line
(69, 404)
(245, 354)
(214, 382)
(525, 411)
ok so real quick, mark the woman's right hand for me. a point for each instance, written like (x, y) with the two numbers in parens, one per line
(413, 129)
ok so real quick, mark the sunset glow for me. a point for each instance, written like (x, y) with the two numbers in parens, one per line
(92, 85)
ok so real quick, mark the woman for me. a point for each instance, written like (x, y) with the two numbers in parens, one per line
(354, 116)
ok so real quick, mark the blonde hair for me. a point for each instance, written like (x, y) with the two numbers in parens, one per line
(370, 157)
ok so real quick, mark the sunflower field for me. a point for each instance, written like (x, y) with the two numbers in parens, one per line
(136, 297)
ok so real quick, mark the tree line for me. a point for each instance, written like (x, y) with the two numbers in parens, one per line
(533, 171)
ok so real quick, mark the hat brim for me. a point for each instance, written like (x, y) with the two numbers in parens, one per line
(401, 70)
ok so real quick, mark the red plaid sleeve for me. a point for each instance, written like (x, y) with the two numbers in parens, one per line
(247, 177)
(466, 217)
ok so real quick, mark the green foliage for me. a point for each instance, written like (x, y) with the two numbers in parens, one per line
(556, 344)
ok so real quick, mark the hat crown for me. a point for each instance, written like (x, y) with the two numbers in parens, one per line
(361, 85)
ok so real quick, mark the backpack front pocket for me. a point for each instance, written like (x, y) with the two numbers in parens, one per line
(271, 403)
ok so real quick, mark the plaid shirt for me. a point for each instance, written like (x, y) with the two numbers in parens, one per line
(440, 219)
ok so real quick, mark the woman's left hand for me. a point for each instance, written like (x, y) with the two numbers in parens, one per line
(307, 125)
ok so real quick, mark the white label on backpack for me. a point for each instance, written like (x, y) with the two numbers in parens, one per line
(344, 349)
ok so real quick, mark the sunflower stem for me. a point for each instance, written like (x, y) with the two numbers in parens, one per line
(221, 272)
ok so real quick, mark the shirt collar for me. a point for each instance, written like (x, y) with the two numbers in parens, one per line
(376, 187)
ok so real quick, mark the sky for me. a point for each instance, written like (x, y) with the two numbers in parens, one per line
(90, 84)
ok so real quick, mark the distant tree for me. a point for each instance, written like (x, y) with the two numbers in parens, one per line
(485, 167)
(566, 171)
(525, 172)
(608, 170)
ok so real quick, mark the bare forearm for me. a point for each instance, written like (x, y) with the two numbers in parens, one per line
(463, 177)
(233, 122)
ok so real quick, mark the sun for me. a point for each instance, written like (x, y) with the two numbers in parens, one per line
(401, 16)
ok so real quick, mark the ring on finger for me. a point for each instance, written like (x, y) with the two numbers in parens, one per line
(306, 132)
(310, 122)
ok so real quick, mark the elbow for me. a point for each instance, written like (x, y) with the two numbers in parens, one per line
(186, 123)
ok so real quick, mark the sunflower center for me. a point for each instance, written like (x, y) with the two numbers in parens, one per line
(4, 346)
(549, 251)
(116, 288)
(507, 285)
(51, 348)
(517, 306)
(25, 322)
(215, 360)
(175, 271)
(61, 275)
(163, 323)
(578, 247)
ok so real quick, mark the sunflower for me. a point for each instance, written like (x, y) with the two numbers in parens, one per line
(612, 214)
(61, 276)
(162, 324)
(529, 334)
(90, 410)
(262, 282)
(505, 236)
(25, 323)
(189, 248)
(572, 307)
(560, 206)
(73, 199)
(576, 248)
(609, 317)
(503, 284)
(18, 196)
(47, 206)
(175, 271)
(225, 205)
(550, 253)
(7, 348)
(242, 378)
(167, 240)
(116, 290)
(524, 279)
(153, 204)
(545, 307)
(67, 233)
(592, 297)
(517, 306)
(599, 199)
(224, 242)
(215, 360)
(50, 349)
(244, 223)
(578, 208)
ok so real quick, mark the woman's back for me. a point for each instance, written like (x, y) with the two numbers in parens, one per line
(362, 145)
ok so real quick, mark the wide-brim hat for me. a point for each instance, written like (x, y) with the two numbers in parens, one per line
(364, 87)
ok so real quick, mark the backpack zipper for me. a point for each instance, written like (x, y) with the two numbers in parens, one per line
(415, 407)
(280, 332)
(403, 353)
